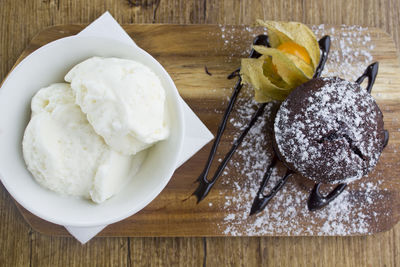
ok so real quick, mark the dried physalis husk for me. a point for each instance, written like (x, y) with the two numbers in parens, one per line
(255, 76)
(290, 61)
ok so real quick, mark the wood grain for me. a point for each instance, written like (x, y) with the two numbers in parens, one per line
(184, 50)
(167, 251)
(15, 242)
(51, 251)
(19, 22)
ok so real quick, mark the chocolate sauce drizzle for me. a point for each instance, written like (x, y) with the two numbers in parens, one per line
(370, 72)
(316, 200)
(261, 200)
(325, 46)
(205, 185)
(386, 139)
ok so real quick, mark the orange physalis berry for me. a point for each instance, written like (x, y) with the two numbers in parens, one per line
(296, 50)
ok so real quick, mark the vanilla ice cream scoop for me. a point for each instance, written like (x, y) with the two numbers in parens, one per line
(65, 154)
(124, 102)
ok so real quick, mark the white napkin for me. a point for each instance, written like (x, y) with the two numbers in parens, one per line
(196, 133)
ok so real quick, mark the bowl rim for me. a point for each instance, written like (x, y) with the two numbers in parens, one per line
(177, 103)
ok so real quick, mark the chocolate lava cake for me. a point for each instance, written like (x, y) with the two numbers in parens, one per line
(329, 130)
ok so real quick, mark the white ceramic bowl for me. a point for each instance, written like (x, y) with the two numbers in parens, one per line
(47, 65)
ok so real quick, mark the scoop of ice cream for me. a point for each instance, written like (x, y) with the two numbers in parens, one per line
(124, 102)
(64, 153)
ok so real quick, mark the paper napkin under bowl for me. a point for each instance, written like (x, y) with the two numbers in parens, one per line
(196, 133)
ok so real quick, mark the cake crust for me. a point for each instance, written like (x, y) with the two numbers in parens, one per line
(329, 130)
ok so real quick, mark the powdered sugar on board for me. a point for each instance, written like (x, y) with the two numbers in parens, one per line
(350, 50)
(330, 132)
(287, 213)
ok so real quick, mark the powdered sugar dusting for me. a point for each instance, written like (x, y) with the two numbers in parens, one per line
(350, 50)
(333, 134)
(287, 213)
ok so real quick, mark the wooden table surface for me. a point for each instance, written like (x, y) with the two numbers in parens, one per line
(21, 246)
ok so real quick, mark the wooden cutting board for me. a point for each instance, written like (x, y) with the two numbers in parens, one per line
(370, 205)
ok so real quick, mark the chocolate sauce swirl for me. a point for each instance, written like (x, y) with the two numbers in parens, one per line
(370, 72)
(325, 46)
(261, 200)
(316, 200)
(205, 185)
